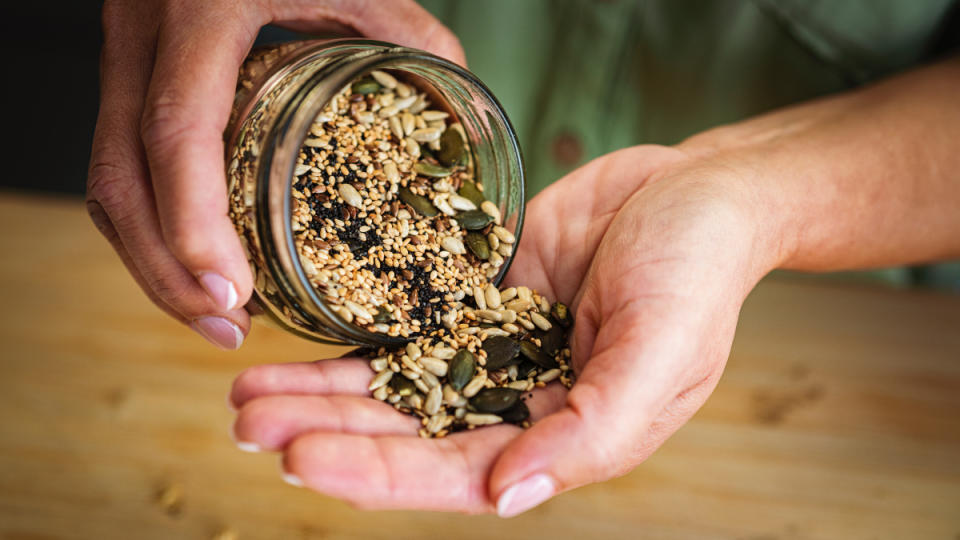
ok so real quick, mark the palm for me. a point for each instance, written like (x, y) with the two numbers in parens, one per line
(587, 241)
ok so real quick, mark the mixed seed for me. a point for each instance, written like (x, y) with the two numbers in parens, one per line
(393, 229)
(391, 225)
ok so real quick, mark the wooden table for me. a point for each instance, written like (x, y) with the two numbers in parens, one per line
(837, 418)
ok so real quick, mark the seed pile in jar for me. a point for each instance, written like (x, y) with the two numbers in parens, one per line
(393, 229)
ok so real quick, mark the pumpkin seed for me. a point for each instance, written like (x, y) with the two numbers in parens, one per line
(422, 205)
(537, 356)
(526, 369)
(461, 369)
(551, 341)
(451, 147)
(495, 400)
(474, 219)
(383, 316)
(501, 352)
(478, 245)
(516, 414)
(561, 313)
(431, 170)
(402, 386)
(365, 86)
(469, 191)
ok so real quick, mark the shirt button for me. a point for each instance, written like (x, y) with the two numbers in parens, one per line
(567, 150)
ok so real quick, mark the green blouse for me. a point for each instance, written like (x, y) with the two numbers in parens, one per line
(580, 78)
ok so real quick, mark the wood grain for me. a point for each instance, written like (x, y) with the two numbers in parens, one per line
(837, 418)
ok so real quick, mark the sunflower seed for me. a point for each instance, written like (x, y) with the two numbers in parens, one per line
(380, 379)
(505, 236)
(384, 78)
(491, 210)
(479, 298)
(357, 310)
(494, 244)
(434, 399)
(432, 116)
(413, 351)
(477, 419)
(433, 365)
(429, 379)
(412, 147)
(489, 315)
(548, 375)
(492, 296)
(539, 320)
(379, 364)
(508, 315)
(391, 172)
(396, 127)
(461, 203)
(426, 134)
(351, 196)
(474, 385)
(453, 245)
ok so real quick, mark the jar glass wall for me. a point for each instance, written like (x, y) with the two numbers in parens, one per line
(281, 92)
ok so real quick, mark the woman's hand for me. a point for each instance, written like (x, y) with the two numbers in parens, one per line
(156, 186)
(654, 252)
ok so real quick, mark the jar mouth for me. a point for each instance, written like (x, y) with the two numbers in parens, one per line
(458, 88)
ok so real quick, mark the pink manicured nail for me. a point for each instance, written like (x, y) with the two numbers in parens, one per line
(219, 331)
(251, 447)
(292, 479)
(220, 289)
(525, 494)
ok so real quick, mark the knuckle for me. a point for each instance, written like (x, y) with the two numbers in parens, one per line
(185, 244)
(171, 290)
(109, 184)
(164, 122)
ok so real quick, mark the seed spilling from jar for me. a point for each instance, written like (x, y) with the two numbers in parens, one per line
(395, 233)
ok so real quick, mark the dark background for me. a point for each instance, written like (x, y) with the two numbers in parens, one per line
(51, 91)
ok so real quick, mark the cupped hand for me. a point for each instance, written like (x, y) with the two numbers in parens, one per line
(655, 252)
(156, 186)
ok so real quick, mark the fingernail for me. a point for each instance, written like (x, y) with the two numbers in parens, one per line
(219, 331)
(292, 479)
(251, 447)
(524, 495)
(220, 289)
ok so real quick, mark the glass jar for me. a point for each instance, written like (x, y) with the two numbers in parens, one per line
(280, 92)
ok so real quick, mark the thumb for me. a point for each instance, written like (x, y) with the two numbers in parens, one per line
(598, 434)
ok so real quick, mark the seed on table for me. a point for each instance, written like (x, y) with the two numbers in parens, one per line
(506, 237)
(491, 210)
(549, 375)
(351, 196)
(461, 369)
(474, 386)
(492, 296)
(385, 79)
(434, 399)
(453, 245)
(478, 419)
(380, 379)
(539, 320)
(434, 365)
(494, 400)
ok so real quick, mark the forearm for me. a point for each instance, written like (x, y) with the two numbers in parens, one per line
(863, 179)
